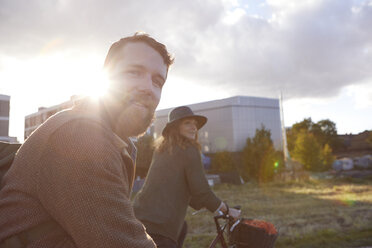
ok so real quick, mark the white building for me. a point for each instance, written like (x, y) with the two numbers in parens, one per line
(231, 121)
(34, 120)
(4, 119)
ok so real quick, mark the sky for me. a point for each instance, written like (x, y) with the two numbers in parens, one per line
(316, 53)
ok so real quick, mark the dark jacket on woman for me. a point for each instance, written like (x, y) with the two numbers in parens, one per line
(174, 182)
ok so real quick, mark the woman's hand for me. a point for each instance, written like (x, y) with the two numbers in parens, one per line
(235, 213)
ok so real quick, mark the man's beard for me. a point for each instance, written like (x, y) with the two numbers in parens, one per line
(134, 126)
(130, 122)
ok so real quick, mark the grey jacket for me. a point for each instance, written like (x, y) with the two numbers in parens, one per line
(74, 171)
(174, 182)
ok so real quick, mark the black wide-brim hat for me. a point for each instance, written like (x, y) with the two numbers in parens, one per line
(180, 113)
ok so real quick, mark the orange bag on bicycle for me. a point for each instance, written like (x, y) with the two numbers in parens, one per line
(249, 233)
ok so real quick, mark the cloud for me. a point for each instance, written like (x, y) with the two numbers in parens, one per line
(305, 48)
(361, 94)
(310, 51)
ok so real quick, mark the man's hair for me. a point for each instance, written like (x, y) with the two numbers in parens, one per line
(174, 138)
(112, 55)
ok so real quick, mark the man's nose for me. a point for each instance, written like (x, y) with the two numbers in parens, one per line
(146, 84)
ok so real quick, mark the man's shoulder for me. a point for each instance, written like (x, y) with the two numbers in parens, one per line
(80, 125)
(69, 125)
(71, 136)
(73, 117)
(67, 115)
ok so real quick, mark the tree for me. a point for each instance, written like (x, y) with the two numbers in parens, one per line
(222, 162)
(327, 157)
(324, 132)
(293, 132)
(307, 151)
(306, 124)
(260, 160)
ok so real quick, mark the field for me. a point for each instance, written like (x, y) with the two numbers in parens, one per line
(316, 213)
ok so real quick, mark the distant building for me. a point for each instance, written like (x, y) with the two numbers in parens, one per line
(231, 121)
(4, 119)
(34, 120)
(354, 145)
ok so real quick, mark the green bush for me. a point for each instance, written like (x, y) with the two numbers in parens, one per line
(222, 162)
(260, 160)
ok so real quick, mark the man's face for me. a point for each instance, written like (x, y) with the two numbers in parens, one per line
(136, 79)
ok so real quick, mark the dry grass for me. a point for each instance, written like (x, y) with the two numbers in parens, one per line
(305, 213)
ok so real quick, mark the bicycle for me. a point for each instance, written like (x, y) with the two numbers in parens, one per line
(243, 233)
(221, 229)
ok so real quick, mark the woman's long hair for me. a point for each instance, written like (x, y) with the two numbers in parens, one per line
(174, 138)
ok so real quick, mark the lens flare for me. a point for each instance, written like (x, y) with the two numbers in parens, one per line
(98, 86)
(276, 164)
(346, 202)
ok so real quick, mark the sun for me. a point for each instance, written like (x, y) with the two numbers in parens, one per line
(97, 86)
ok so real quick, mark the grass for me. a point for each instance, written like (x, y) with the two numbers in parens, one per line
(315, 213)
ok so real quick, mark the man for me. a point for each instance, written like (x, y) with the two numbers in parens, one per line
(70, 183)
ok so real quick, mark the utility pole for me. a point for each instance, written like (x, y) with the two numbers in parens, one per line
(287, 157)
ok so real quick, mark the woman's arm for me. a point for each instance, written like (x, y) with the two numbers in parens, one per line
(201, 193)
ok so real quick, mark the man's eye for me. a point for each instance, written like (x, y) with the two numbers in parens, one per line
(133, 73)
(158, 82)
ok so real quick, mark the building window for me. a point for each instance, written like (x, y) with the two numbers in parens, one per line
(206, 148)
(28, 122)
(4, 128)
(33, 121)
(155, 135)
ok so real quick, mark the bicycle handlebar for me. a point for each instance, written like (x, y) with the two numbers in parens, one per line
(238, 207)
(226, 215)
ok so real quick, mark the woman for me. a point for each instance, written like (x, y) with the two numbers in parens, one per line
(175, 181)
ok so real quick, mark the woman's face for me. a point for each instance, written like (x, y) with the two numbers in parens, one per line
(188, 128)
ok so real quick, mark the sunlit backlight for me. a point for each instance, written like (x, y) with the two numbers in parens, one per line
(97, 86)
